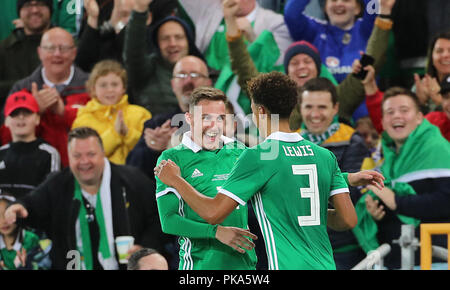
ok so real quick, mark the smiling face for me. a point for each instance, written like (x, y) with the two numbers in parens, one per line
(441, 56)
(302, 68)
(109, 89)
(35, 16)
(57, 53)
(317, 110)
(342, 13)
(207, 120)
(172, 41)
(86, 160)
(400, 117)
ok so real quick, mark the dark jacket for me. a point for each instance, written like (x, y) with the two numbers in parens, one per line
(52, 208)
(144, 157)
(94, 47)
(350, 152)
(25, 165)
(18, 59)
(54, 128)
(149, 75)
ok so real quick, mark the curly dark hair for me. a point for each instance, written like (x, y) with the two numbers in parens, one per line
(275, 91)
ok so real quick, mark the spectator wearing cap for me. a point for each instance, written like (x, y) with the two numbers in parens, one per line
(18, 52)
(301, 63)
(340, 39)
(26, 161)
(264, 30)
(58, 86)
(149, 75)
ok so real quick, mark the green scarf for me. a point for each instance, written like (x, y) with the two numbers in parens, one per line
(425, 154)
(30, 241)
(86, 250)
(367, 228)
(417, 159)
(319, 139)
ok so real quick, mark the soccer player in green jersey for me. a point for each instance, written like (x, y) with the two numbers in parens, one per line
(206, 157)
(289, 180)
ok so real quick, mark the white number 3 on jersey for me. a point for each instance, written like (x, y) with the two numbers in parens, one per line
(312, 192)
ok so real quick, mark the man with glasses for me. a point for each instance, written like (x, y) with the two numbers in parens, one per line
(18, 52)
(58, 86)
(160, 132)
(165, 130)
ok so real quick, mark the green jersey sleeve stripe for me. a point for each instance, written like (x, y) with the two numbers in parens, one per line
(168, 190)
(339, 190)
(232, 196)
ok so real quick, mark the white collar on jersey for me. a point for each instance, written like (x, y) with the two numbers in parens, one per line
(285, 137)
(189, 143)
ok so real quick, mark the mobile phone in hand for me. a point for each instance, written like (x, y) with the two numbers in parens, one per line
(365, 61)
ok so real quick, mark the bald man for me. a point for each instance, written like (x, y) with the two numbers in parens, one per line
(189, 72)
(58, 86)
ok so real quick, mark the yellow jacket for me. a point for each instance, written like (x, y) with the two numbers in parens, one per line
(103, 117)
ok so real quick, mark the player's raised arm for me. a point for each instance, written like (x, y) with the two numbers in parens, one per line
(212, 210)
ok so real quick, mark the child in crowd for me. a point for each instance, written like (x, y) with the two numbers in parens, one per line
(119, 123)
(27, 160)
(19, 248)
(368, 132)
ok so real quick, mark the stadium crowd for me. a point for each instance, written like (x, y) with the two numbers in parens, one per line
(93, 92)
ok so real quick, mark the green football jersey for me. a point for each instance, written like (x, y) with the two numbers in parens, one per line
(289, 181)
(206, 171)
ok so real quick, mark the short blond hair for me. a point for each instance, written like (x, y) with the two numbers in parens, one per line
(103, 68)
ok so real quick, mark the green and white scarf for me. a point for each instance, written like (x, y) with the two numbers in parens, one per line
(103, 216)
(319, 139)
(425, 154)
(366, 230)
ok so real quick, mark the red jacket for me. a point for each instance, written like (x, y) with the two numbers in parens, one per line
(441, 120)
(53, 128)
